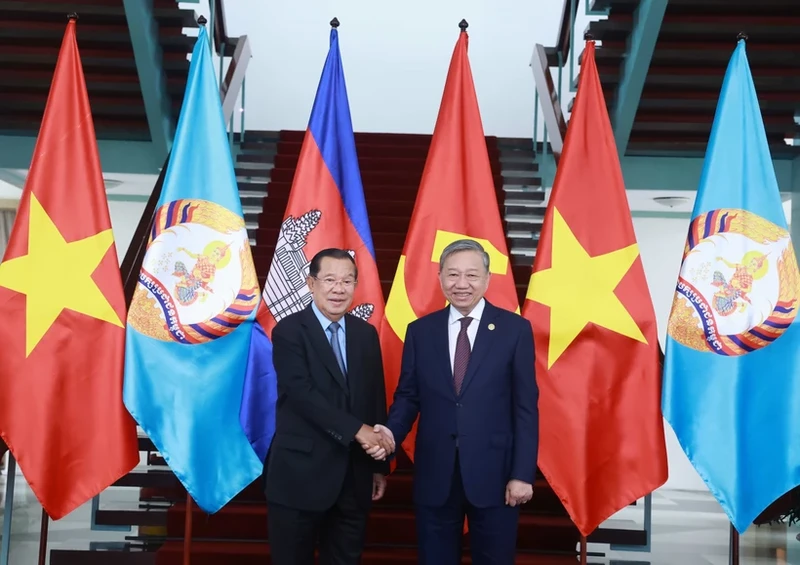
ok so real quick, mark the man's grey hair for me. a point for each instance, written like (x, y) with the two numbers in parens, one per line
(464, 245)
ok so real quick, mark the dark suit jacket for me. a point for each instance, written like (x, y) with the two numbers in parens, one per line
(319, 412)
(494, 421)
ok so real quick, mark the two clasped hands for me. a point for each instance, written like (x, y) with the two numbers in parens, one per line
(379, 443)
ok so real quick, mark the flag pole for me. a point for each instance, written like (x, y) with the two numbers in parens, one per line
(583, 549)
(187, 531)
(44, 527)
(43, 537)
(11, 476)
(733, 558)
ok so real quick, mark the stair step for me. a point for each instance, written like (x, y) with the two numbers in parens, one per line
(398, 494)
(388, 139)
(531, 235)
(523, 181)
(518, 219)
(210, 553)
(246, 165)
(374, 150)
(399, 164)
(105, 81)
(515, 164)
(372, 192)
(91, 36)
(375, 209)
(167, 15)
(396, 527)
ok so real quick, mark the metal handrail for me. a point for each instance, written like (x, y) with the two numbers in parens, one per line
(230, 88)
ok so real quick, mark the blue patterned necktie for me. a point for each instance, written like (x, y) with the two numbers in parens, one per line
(337, 349)
(462, 355)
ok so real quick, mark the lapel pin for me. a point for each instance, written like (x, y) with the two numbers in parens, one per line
(491, 327)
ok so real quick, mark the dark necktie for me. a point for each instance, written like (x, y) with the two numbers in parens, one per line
(462, 355)
(337, 350)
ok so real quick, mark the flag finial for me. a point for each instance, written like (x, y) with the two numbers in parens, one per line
(463, 25)
(335, 23)
(588, 36)
(72, 16)
(202, 20)
(742, 35)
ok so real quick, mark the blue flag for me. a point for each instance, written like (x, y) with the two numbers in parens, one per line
(189, 322)
(732, 367)
(325, 208)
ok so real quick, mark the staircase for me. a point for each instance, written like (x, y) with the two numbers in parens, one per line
(695, 41)
(31, 32)
(391, 169)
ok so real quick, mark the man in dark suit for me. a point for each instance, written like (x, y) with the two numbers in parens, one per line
(468, 372)
(320, 483)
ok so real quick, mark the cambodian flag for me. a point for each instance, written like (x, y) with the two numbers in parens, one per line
(326, 208)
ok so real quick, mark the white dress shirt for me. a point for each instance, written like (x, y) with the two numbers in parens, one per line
(454, 326)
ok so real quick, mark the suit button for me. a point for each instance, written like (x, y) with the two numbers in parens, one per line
(458, 404)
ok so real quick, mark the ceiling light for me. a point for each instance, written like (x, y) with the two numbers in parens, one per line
(672, 201)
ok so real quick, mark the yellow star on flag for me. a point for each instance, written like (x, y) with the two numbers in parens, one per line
(579, 289)
(57, 275)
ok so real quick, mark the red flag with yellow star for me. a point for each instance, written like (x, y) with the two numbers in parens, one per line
(456, 200)
(601, 444)
(62, 312)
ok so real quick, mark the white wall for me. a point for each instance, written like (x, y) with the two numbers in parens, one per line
(124, 219)
(9, 191)
(395, 57)
(124, 216)
(661, 242)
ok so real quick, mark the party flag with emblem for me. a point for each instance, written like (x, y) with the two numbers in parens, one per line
(192, 311)
(63, 312)
(457, 199)
(601, 436)
(732, 359)
(326, 208)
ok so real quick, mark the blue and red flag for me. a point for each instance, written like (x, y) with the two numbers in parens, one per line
(326, 208)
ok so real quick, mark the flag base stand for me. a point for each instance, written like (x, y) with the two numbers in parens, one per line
(733, 558)
(583, 550)
(43, 530)
(187, 531)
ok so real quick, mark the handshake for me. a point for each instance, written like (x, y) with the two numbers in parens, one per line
(378, 442)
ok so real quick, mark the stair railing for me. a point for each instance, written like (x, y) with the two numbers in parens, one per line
(239, 50)
(547, 145)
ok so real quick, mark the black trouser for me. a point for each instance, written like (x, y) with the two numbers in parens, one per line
(340, 531)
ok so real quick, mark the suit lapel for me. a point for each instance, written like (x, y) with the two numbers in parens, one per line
(440, 342)
(322, 346)
(483, 344)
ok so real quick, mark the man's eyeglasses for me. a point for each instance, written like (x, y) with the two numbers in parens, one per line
(329, 282)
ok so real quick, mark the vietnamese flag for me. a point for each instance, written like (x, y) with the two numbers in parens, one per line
(456, 200)
(601, 444)
(63, 312)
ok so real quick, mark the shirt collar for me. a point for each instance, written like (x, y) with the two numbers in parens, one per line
(476, 313)
(324, 321)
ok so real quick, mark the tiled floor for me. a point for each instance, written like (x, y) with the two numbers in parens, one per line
(688, 529)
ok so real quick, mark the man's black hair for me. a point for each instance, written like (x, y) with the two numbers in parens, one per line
(333, 253)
